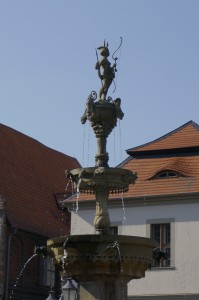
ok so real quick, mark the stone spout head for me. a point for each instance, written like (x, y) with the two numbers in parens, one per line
(44, 251)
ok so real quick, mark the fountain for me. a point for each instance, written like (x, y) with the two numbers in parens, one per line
(102, 263)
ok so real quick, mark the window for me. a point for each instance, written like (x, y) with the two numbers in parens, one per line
(167, 174)
(161, 233)
(49, 272)
(114, 230)
(162, 230)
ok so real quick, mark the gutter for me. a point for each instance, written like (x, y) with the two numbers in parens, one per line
(8, 261)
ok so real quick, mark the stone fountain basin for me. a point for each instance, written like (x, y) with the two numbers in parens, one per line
(103, 111)
(115, 180)
(102, 257)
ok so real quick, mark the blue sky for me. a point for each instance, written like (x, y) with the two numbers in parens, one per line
(47, 59)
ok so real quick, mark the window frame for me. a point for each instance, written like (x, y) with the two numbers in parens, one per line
(162, 232)
(170, 221)
(167, 174)
(114, 230)
(119, 226)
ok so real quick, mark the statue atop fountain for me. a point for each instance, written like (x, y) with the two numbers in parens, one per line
(104, 112)
(106, 72)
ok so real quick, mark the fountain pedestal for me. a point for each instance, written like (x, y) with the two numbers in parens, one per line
(102, 263)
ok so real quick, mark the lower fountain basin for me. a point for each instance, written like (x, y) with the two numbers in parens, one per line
(102, 257)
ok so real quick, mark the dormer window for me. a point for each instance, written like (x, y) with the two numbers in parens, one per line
(167, 174)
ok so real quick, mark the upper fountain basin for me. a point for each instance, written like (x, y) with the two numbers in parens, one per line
(115, 180)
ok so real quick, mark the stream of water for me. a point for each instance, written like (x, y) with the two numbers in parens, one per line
(77, 197)
(20, 275)
(124, 211)
(122, 282)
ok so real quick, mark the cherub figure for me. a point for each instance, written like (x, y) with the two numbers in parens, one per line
(106, 72)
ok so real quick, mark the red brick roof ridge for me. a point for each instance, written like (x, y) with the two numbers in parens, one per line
(195, 125)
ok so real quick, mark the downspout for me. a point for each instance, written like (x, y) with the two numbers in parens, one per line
(8, 261)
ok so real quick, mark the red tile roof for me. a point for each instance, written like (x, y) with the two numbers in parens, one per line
(181, 155)
(150, 161)
(30, 175)
(186, 136)
(148, 185)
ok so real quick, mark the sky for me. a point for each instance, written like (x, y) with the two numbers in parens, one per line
(47, 69)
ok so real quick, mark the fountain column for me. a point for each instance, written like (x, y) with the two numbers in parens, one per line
(102, 220)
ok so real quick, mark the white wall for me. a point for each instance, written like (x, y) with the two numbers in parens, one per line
(82, 221)
(183, 278)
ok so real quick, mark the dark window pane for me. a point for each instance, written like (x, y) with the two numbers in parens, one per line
(172, 174)
(162, 175)
(114, 230)
(161, 233)
(166, 233)
(156, 232)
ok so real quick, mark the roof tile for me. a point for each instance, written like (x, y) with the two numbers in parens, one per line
(30, 175)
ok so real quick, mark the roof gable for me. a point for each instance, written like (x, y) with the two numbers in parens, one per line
(184, 137)
(180, 149)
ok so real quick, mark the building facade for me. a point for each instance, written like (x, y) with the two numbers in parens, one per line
(31, 179)
(163, 204)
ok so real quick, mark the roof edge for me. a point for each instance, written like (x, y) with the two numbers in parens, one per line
(168, 152)
(145, 200)
(37, 141)
(195, 125)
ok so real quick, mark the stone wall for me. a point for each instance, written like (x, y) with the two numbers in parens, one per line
(30, 285)
(16, 247)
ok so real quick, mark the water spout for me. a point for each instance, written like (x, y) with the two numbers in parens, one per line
(116, 247)
(41, 250)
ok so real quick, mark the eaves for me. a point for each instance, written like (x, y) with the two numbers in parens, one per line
(145, 200)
